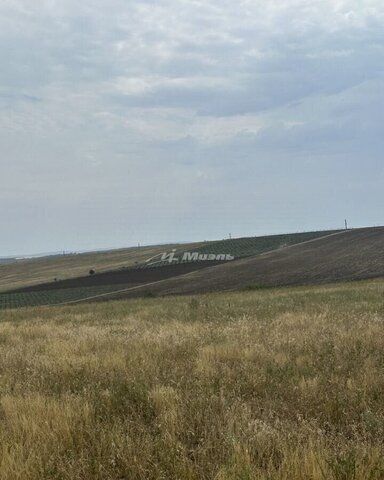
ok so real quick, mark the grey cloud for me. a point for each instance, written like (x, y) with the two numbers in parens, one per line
(146, 113)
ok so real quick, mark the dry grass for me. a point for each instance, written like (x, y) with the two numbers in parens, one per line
(285, 384)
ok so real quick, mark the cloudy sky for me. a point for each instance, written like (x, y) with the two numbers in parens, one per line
(125, 121)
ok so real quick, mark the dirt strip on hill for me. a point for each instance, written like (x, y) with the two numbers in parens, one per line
(121, 277)
(345, 256)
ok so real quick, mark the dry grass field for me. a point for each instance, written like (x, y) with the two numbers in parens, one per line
(267, 384)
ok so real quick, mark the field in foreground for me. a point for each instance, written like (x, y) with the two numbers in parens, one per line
(266, 384)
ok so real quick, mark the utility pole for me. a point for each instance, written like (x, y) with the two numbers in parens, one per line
(346, 224)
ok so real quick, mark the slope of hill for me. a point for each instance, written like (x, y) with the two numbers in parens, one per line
(38, 272)
(348, 255)
(7, 261)
(250, 246)
(41, 270)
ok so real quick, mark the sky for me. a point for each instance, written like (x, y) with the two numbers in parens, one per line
(126, 122)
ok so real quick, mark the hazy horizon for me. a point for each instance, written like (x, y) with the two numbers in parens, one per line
(152, 122)
(170, 242)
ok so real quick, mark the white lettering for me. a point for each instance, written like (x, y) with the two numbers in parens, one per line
(190, 257)
(169, 257)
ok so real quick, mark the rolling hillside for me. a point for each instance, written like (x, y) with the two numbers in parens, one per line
(41, 270)
(348, 255)
(124, 267)
(249, 246)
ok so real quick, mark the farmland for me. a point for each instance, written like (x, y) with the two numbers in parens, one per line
(26, 273)
(52, 297)
(31, 292)
(344, 256)
(90, 286)
(272, 384)
(336, 256)
(250, 246)
(40, 270)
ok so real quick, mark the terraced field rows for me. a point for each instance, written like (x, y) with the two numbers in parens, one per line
(52, 297)
(115, 280)
(249, 246)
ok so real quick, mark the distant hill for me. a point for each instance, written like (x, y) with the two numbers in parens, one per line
(59, 279)
(343, 256)
(7, 261)
(26, 272)
(59, 269)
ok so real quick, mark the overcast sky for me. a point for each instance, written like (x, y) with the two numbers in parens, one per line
(151, 121)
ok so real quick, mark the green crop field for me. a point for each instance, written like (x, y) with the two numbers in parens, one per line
(249, 246)
(52, 297)
(34, 272)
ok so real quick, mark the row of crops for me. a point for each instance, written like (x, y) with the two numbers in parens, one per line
(53, 297)
(245, 247)
(249, 246)
(238, 248)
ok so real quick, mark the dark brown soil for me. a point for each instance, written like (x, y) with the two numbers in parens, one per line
(128, 276)
(349, 255)
(344, 256)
